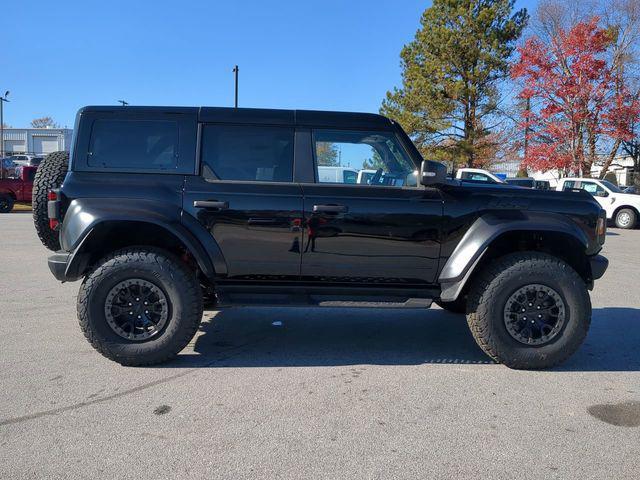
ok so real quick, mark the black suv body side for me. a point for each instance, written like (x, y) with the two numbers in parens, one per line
(276, 232)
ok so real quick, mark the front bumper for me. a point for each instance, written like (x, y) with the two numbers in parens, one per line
(599, 265)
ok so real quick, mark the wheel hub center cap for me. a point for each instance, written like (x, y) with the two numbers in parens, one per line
(534, 314)
(136, 309)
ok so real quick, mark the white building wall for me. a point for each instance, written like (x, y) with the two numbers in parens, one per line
(37, 141)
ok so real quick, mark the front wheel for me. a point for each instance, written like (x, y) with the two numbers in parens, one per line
(140, 306)
(626, 218)
(529, 310)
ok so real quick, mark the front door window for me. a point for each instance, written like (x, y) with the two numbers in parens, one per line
(362, 158)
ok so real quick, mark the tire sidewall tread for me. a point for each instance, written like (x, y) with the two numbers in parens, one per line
(165, 270)
(493, 287)
(49, 175)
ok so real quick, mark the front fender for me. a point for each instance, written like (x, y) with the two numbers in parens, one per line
(484, 231)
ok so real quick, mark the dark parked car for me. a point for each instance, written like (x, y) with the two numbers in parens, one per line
(165, 208)
(528, 182)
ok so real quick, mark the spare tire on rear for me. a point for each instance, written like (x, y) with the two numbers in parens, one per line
(50, 175)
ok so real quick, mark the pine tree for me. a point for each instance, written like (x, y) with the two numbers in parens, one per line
(450, 77)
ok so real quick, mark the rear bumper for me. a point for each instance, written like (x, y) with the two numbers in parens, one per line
(599, 265)
(58, 264)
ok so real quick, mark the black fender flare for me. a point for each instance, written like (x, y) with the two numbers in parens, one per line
(475, 242)
(84, 217)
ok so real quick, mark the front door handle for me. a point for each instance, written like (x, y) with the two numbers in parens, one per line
(330, 209)
(211, 204)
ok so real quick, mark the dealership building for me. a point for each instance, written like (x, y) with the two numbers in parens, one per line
(36, 141)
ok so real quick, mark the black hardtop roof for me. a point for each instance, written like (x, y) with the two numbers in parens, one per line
(311, 118)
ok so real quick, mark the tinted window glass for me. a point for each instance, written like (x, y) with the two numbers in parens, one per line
(521, 182)
(247, 153)
(363, 158)
(134, 144)
(569, 185)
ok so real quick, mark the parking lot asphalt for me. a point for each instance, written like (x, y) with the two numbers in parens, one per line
(329, 393)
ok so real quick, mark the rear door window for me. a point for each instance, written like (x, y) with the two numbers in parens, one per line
(133, 144)
(247, 153)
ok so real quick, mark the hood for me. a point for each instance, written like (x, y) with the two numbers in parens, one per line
(627, 197)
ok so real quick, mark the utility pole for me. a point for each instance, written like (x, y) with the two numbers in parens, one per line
(2, 100)
(235, 71)
(123, 102)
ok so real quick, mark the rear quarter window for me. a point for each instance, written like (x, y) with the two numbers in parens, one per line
(133, 144)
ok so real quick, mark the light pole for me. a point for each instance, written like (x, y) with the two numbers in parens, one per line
(2, 100)
(235, 71)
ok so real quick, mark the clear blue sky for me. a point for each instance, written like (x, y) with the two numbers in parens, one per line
(329, 54)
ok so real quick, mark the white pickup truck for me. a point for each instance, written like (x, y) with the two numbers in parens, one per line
(622, 208)
(477, 175)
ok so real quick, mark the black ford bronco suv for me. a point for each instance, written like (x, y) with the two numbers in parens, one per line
(160, 210)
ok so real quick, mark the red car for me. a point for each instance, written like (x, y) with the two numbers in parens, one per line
(14, 190)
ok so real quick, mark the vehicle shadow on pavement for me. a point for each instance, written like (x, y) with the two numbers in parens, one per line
(294, 337)
(288, 337)
(613, 343)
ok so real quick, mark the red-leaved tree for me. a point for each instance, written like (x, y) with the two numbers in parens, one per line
(579, 104)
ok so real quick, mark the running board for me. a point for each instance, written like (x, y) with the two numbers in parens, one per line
(301, 297)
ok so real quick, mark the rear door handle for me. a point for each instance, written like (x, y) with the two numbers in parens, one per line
(211, 204)
(330, 208)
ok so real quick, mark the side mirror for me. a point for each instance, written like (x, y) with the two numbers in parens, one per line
(432, 173)
(601, 193)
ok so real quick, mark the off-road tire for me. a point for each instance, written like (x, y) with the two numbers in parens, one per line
(630, 217)
(173, 277)
(458, 306)
(50, 175)
(499, 280)
(6, 203)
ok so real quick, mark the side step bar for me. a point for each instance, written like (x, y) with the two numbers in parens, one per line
(342, 297)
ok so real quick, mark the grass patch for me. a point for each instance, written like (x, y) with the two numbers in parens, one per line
(22, 207)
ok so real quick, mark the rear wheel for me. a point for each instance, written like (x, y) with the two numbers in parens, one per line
(529, 310)
(626, 218)
(50, 175)
(140, 307)
(6, 203)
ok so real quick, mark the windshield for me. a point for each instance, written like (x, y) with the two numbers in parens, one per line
(611, 186)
